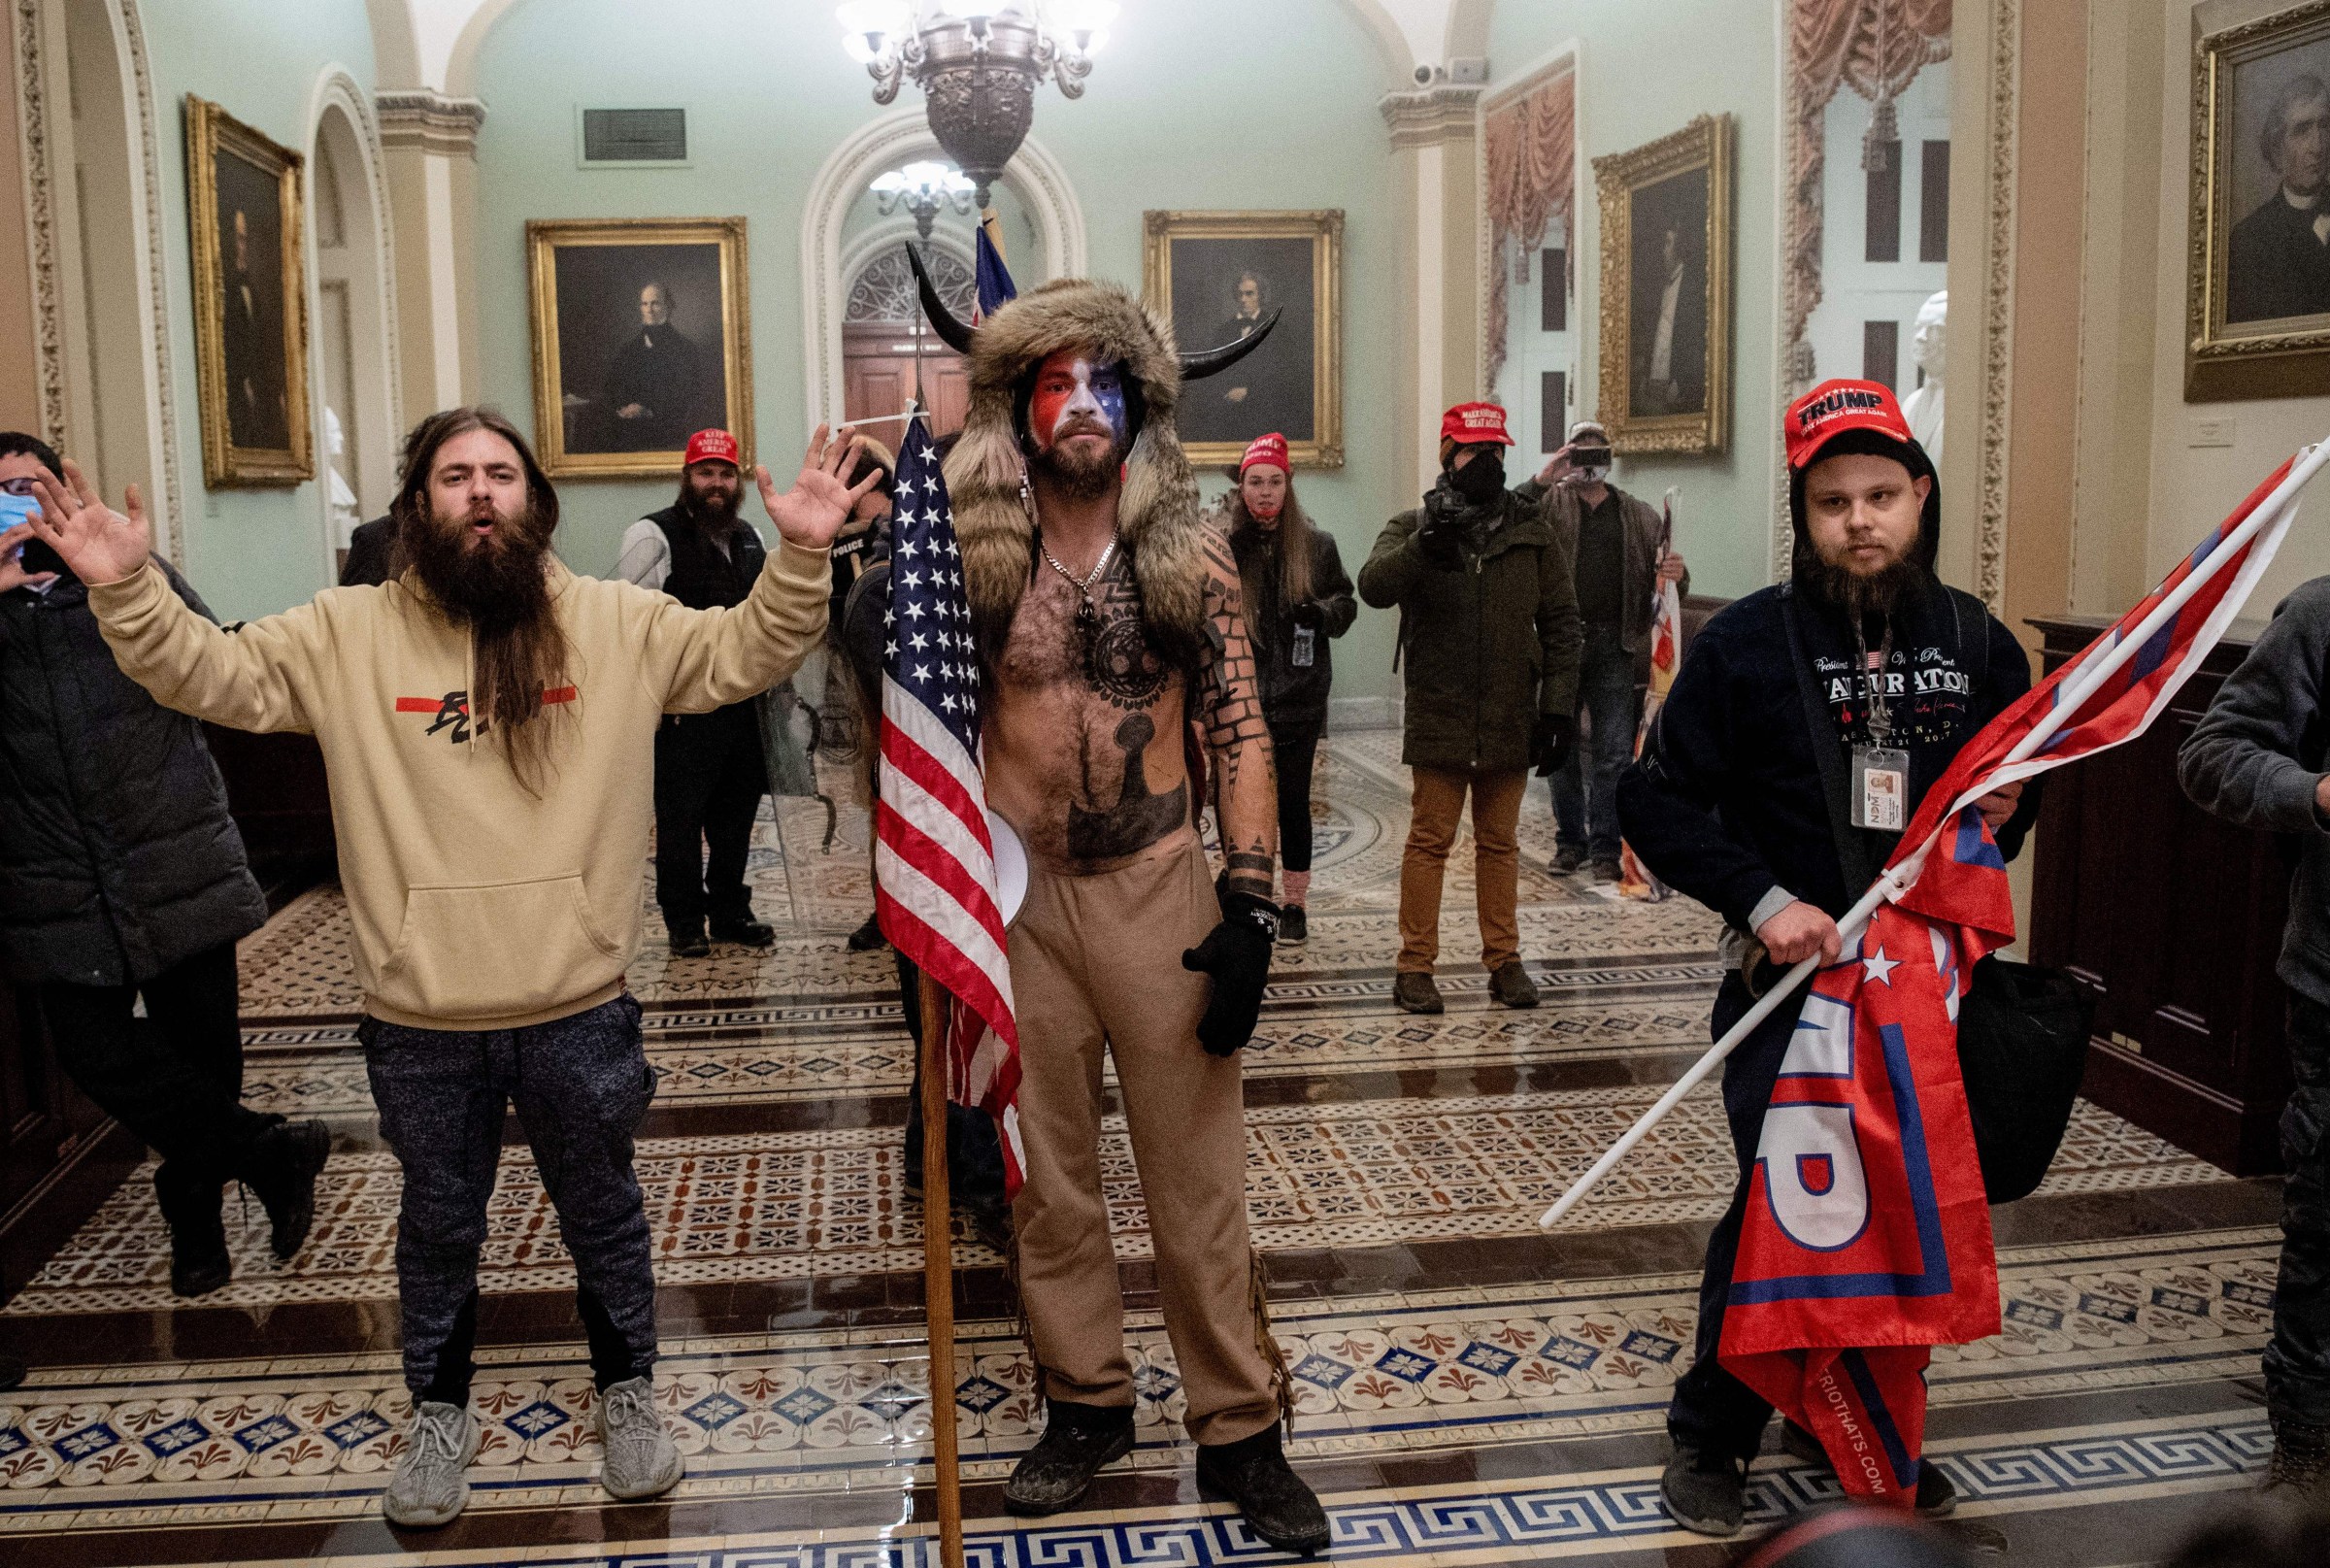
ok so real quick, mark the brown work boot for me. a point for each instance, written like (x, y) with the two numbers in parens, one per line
(1412, 992)
(1511, 986)
(2299, 1471)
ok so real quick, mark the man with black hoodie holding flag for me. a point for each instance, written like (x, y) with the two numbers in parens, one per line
(1807, 717)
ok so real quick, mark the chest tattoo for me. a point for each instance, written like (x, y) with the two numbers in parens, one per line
(1139, 818)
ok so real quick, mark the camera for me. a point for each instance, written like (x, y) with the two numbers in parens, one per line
(1424, 75)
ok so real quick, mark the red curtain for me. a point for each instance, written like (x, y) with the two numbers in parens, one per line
(1874, 46)
(1531, 146)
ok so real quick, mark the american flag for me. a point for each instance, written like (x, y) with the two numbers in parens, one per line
(934, 860)
(1867, 1237)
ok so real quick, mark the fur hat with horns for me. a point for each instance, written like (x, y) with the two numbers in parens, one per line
(986, 472)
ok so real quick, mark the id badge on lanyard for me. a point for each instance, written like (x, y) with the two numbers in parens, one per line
(1306, 648)
(1881, 788)
(1880, 772)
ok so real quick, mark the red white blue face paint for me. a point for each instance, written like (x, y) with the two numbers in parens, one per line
(1074, 396)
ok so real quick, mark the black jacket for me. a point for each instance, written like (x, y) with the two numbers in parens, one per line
(1727, 801)
(2276, 266)
(1294, 697)
(370, 551)
(118, 858)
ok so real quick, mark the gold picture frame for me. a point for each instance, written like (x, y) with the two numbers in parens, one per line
(2256, 326)
(1677, 190)
(251, 302)
(1292, 384)
(617, 393)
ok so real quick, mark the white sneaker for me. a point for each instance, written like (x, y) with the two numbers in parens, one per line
(641, 1459)
(429, 1487)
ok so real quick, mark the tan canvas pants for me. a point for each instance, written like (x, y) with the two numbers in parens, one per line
(1097, 961)
(1439, 807)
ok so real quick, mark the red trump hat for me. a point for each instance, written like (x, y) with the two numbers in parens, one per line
(1472, 424)
(710, 446)
(1831, 409)
(1267, 451)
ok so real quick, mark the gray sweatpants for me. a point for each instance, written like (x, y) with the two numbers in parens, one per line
(580, 1085)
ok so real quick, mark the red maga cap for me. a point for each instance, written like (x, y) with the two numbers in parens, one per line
(1267, 451)
(1472, 424)
(710, 446)
(1831, 409)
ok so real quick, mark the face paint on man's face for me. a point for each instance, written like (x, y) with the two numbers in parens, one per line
(1074, 395)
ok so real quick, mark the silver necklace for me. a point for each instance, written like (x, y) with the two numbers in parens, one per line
(1086, 616)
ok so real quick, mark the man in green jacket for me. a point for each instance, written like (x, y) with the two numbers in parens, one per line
(1487, 598)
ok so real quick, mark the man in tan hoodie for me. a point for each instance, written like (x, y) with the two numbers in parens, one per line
(484, 721)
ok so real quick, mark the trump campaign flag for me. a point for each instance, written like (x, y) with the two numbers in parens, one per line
(933, 857)
(1866, 1239)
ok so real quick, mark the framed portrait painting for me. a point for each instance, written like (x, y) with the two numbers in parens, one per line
(2257, 297)
(641, 338)
(1217, 275)
(251, 318)
(1666, 290)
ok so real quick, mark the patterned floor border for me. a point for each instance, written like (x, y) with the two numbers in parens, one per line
(1546, 1517)
(795, 1416)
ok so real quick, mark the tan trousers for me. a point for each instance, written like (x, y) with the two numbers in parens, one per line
(1096, 961)
(1439, 805)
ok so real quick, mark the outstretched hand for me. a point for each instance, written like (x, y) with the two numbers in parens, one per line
(101, 545)
(814, 509)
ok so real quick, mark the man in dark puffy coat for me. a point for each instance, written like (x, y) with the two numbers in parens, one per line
(1488, 626)
(122, 877)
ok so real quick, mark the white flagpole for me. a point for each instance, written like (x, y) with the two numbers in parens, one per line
(1893, 883)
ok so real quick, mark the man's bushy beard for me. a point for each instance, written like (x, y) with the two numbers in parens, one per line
(713, 517)
(1075, 476)
(495, 583)
(1875, 594)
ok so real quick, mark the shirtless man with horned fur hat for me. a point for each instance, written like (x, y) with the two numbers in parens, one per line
(1108, 617)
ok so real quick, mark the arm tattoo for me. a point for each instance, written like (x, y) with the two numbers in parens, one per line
(1230, 688)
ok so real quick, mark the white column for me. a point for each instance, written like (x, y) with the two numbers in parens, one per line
(430, 143)
(1435, 189)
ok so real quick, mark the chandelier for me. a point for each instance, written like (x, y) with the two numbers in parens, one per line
(925, 189)
(978, 63)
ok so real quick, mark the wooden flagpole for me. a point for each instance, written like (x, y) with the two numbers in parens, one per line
(938, 1273)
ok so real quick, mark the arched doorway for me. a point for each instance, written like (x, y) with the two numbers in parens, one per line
(104, 285)
(354, 368)
(887, 349)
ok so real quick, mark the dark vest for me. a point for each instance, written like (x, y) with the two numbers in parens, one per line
(701, 577)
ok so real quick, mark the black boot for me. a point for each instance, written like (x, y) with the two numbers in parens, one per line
(1077, 1441)
(868, 937)
(198, 1260)
(1252, 1473)
(687, 940)
(285, 1161)
(744, 930)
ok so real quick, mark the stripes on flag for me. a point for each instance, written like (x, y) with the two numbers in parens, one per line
(934, 858)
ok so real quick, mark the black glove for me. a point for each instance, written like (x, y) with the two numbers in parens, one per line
(1442, 534)
(1549, 740)
(1307, 614)
(1237, 954)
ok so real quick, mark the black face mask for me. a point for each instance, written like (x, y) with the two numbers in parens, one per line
(1479, 481)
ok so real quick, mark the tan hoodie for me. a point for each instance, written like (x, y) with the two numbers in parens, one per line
(474, 904)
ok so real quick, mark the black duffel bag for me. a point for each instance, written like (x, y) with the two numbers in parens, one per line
(2022, 1048)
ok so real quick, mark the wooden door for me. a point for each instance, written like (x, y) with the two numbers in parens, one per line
(878, 374)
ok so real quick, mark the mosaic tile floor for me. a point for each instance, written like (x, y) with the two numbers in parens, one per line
(1468, 1389)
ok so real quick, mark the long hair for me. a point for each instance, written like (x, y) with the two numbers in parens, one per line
(1290, 541)
(520, 650)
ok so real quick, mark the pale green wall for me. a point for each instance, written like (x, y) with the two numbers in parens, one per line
(249, 551)
(1646, 70)
(1175, 116)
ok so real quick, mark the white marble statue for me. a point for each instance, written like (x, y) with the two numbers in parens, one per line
(1923, 408)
